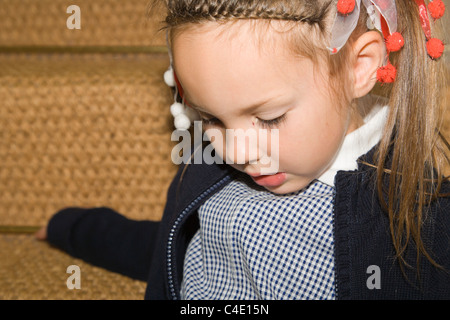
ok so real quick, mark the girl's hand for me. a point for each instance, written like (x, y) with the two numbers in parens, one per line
(41, 234)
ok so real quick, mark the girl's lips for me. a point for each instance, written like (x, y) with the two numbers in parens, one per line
(273, 180)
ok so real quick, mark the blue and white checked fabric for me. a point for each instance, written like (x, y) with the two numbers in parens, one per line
(253, 244)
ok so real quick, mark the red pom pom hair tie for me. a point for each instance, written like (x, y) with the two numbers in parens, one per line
(382, 16)
(394, 42)
(435, 47)
(387, 74)
(437, 9)
(345, 7)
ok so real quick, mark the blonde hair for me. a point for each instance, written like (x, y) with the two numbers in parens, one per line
(413, 153)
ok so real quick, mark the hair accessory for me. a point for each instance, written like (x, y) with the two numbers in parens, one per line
(177, 109)
(395, 42)
(437, 9)
(346, 6)
(382, 16)
(435, 47)
(183, 115)
(387, 73)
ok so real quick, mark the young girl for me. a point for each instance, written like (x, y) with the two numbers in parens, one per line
(358, 207)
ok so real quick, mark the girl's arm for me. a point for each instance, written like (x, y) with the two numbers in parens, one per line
(104, 238)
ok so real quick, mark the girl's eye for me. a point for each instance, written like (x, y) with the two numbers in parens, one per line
(269, 124)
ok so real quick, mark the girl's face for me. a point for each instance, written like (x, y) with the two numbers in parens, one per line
(236, 81)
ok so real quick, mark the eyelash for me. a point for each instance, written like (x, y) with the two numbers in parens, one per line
(266, 124)
(269, 124)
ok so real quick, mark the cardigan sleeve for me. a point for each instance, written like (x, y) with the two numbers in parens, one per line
(105, 238)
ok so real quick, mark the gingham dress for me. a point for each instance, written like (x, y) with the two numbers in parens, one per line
(253, 244)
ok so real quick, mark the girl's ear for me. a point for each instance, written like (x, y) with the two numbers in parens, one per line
(369, 52)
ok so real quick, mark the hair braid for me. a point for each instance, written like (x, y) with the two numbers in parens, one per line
(189, 11)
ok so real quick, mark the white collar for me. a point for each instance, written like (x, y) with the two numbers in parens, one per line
(358, 143)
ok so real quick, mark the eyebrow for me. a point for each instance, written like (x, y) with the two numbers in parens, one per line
(251, 108)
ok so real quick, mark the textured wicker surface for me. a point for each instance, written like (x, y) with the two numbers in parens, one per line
(103, 22)
(30, 269)
(84, 130)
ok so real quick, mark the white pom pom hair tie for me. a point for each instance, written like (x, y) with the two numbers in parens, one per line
(183, 115)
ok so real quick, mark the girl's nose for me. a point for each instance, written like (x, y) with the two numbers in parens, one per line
(242, 146)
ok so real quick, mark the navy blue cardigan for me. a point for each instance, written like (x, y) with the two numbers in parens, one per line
(154, 251)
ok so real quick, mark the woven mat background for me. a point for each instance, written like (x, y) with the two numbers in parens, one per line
(84, 130)
(103, 23)
(78, 130)
(32, 270)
